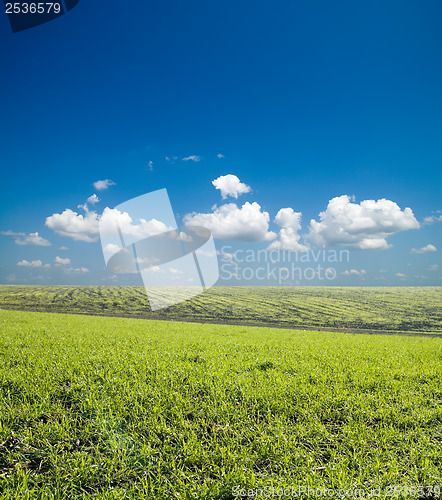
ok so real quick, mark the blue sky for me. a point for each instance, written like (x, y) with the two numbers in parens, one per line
(307, 102)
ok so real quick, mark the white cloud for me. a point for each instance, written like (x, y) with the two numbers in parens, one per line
(425, 249)
(93, 199)
(431, 219)
(194, 158)
(365, 225)
(86, 227)
(11, 233)
(354, 272)
(33, 264)
(77, 270)
(27, 239)
(229, 222)
(63, 248)
(65, 264)
(111, 248)
(374, 244)
(175, 271)
(150, 165)
(433, 267)
(143, 229)
(219, 155)
(230, 185)
(104, 184)
(154, 270)
(58, 261)
(401, 275)
(288, 238)
(76, 226)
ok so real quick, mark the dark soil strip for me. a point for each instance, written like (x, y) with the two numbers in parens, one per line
(238, 323)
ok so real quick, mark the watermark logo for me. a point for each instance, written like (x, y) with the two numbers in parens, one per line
(27, 14)
(141, 236)
(280, 267)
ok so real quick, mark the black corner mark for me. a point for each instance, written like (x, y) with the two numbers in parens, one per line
(29, 13)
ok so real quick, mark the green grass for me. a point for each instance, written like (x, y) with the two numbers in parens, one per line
(413, 309)
(95, 407)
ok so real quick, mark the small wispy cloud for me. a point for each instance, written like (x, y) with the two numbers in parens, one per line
(194, 158)
(219, 155)
(76, 270)
(150, 165)
(65, 265)
(432, 219)
(24, 239)
(93, 199)
(401, 275)
(426, 249)
(104, 184)
(354, 272)
(172, 159)
(36, 264)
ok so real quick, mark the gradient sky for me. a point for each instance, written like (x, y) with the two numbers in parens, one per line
(305, 101)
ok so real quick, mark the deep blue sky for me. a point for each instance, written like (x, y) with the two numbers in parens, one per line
(306, 100)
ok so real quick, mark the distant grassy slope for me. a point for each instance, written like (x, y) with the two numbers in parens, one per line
(416, 309)
(115, 408)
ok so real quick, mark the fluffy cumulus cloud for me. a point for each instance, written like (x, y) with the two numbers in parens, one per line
(76, 226)
(426, 249)
(143, 229)
(364, 225)
(230, 185)
(288, 237)
(35, 264)
(230, 222)
(86, 227)
(93, 199)
(27, 239)
(104, 184)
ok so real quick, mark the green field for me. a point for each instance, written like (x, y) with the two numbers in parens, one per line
(413, 309)
(95, 407)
